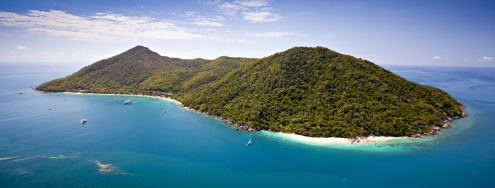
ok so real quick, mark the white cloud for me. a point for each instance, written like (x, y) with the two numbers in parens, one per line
(230, 9)
(269, 34)
(187, 13)
(252, 3)
(486, 58)
(20, 47)
(99, 27)
(437, 58)
(207, 23)
(212, 2)
(261, 16)
(204, 21)
(191, 13)
(255, 11)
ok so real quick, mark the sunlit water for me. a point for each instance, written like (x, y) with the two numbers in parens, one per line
(43, 143)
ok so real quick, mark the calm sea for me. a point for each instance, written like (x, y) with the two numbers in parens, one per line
(43, 143)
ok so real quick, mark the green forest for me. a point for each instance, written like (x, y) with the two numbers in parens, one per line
(310, 91)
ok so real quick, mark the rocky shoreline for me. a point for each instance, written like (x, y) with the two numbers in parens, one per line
(227, 121)
(446, 124)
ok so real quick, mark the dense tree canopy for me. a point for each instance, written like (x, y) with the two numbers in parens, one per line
(308, 91)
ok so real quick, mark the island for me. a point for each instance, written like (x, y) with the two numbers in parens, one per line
(309, 91)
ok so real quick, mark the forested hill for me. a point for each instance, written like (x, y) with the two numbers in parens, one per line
(305, 90)
(126, 70)
(319, 92)
(140, 70)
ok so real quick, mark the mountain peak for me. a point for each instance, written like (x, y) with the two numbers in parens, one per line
(140, 49)
(141, 54)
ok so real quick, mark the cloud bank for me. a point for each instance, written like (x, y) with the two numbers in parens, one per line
(98, 27)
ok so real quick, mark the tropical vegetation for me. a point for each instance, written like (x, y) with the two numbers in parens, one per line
(310, 91)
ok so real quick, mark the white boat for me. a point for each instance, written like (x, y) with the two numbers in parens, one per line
(249, 142)
(83, 120)
(128, 102)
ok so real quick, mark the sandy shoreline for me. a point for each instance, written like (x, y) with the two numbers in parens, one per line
(289, 136)
(334, 140)
(160, 97)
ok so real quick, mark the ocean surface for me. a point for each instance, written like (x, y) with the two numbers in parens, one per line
(43, 143)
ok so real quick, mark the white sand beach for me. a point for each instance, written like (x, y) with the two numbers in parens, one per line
(165, 98)
(334, 140)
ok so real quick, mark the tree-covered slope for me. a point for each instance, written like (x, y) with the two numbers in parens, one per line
(308, 91)
(319, 92)
(140, 70)
(119, 74)
(193, 74)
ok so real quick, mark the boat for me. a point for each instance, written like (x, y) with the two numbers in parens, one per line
(249, 143)
(83, 120)
(128, 102)
(164, 110)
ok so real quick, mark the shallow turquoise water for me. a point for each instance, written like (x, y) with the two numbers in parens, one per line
(143, 146)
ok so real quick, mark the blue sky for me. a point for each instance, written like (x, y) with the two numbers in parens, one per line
(435, 33)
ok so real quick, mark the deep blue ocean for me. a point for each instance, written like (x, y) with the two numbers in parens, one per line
(43, 143)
